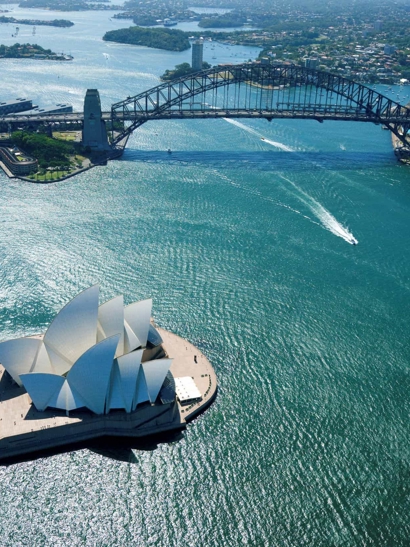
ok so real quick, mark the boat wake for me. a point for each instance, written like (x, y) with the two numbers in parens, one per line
(253, 132)
(327, 220)
(261, 137)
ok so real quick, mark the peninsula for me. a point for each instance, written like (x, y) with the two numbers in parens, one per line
(181, 70)
(36, 22)
(31, 51)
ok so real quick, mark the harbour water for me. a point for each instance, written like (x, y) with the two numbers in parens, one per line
(245, 246)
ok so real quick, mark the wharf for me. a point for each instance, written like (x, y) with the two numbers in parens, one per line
(24, 430)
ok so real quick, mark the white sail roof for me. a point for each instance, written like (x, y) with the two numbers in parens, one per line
(73, 330)
(138, 316)
(42, 362)
(141, 393)
(111, 321)
(131, 341)
(17, 356)
(115, 397)
(66, 398)
(155, 372)
(42, 387)
(129, 367)
(90, 374)
(96, 348)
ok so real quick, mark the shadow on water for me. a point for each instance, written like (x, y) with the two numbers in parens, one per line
(121, 449)
(271, 160)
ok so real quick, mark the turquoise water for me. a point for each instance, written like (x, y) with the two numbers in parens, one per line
(244, 246)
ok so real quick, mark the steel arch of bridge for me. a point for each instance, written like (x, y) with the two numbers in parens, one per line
(264, 91)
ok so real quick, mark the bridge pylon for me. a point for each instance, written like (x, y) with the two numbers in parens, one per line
(94, 131)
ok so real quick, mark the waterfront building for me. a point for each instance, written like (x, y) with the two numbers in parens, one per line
(16, 105)
(197, 55)
(58, 108)
(170, 22)
(99, 370)
(95, 357)
(17, 162)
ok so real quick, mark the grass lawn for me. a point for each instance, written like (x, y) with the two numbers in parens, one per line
(65, 135)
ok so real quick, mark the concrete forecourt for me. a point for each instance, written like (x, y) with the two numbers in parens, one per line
(155, 380)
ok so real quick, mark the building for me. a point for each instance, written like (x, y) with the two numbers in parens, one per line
(311, 63)
(91, 356)
(17, 162)
(389, 50)
(16, 105)
(57, 109)
(99, 370)
(197, 55)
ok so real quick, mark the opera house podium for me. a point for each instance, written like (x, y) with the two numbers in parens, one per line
(99, 370)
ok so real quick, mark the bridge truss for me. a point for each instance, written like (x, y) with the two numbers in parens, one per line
(254, 90)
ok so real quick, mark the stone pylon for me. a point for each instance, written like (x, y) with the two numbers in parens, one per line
(94, 130)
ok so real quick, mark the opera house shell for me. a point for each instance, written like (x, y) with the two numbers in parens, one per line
(99, 357)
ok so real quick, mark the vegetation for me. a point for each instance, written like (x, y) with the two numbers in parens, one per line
(181, 70)
(53, 23)
(23, 50)
(160, 38)
(49, 152)
(63, 5)
(144, 20)
(227, 20)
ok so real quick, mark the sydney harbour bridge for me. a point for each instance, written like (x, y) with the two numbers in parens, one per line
(250, 90)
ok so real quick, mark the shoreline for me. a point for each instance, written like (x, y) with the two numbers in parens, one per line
(114, 154)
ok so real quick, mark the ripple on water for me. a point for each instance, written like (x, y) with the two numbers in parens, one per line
(307, 442)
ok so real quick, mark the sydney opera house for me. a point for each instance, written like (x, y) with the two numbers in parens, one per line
(100, 360)
(91, 356)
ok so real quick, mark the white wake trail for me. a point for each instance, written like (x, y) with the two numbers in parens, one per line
(323, 215)
(253, 132)
(327, 220)
(255, 192)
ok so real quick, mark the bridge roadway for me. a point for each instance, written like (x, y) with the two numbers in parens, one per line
(315, 112)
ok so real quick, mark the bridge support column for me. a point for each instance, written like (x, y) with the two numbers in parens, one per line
(94, 130)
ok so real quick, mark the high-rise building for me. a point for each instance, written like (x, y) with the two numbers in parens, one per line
(389, 50)
(197, 55)
(311, 63)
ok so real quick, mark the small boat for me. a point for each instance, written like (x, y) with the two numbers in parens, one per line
(169, 151)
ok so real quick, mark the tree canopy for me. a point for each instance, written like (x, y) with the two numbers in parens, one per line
(160, 38)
